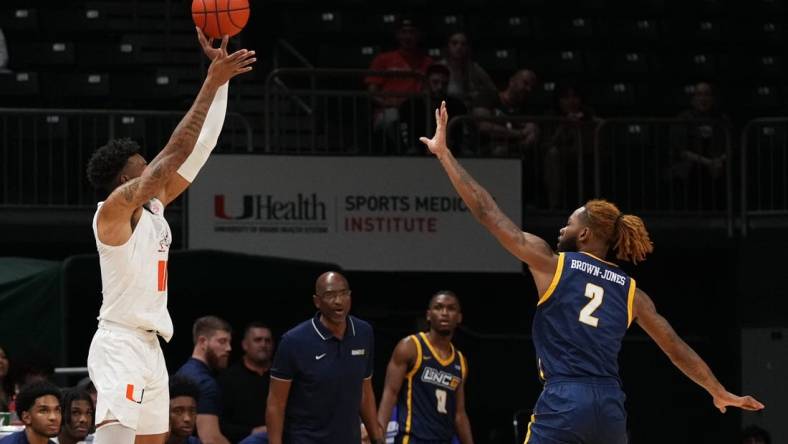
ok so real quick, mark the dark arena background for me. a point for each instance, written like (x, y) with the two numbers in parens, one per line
(674, 110)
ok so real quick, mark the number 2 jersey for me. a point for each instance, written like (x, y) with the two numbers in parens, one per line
(428, 399)
(134, 275)
(582, 318)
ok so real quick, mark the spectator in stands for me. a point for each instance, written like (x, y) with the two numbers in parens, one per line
(417, 116)
(699, 150)
(3, 53)
(755, 435)
(33, 367)
(78, 415)
(183, 411)
(5, 386)
(211, 352)
(245, 385)
(38, 406)
(500, 137)
(87, 385)
(468, 81)
(408, 57)
(571, 142)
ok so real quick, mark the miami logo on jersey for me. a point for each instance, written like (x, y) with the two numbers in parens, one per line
(440, 378)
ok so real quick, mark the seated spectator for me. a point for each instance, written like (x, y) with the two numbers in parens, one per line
(78, 415)
(245, 385)
(468, 81)
(570, 143)
(38, 406)
(3, 53)
(388, 93)
(183, 411)
(417, 117)
(698, 145)
(5, 383)
(755, 435)
(211, 352)
(699, 150)
(505, 138)
(87, 385)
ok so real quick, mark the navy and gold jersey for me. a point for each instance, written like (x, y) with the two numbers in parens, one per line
(428, 399)
(582, 318)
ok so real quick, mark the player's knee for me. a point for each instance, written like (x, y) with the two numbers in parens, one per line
(113, 432)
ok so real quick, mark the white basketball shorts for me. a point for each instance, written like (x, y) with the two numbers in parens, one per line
(127, 367)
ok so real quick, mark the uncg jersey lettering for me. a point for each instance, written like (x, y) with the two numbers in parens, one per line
(582, 318)
(428, 399)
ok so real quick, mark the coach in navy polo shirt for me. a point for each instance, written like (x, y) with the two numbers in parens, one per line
(321, 378)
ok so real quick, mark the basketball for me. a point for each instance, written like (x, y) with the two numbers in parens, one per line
(220, 17)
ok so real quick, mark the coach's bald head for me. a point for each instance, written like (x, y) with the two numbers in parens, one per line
(332, 297)
(330, 281)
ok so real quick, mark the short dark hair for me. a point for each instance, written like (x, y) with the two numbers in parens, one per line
(71, 395)
(438, 68)
(28, 394)
(444, 293)
(753, 431)
(207, 325)
(256, 324)
(108, 161)
(183, 386)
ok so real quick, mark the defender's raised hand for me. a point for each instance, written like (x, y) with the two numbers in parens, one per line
(743, 402)
(437, 144)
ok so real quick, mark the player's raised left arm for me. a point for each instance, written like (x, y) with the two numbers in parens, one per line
(684, 357)
(527, 247)
(209, 134)
(461, 421)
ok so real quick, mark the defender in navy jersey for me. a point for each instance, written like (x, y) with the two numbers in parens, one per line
(584, 309)
(425, 378)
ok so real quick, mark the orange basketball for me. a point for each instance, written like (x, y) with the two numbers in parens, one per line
(219, 17)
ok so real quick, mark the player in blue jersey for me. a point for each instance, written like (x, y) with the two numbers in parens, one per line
(584, 308)
(430, 407)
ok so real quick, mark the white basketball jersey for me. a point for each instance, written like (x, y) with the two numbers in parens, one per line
(134, 275)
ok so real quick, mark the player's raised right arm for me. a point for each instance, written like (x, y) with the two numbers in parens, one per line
(134, 193)
(684, 357)
(402, 359)
(528, 248)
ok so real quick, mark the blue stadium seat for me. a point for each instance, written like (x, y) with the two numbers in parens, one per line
(765, 97)
(52, 53)
(22, 83)
(445, 24)
(631, 62)
(564, 63)
(347, 56)
(498, 58)
(768, 66)
(509, 26)
(19, 19)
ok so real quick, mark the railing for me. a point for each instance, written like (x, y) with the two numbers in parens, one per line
(673, 167)
(557, 153)
(314, 111)
(45, 151)
(764, 170)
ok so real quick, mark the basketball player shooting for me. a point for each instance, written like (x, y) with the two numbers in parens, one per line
(585, 307)
(133, 239)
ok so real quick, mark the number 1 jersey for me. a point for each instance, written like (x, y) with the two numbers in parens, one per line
(582, 318)
(428, 399)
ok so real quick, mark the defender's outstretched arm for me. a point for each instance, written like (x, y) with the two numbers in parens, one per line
(528, 248)
(684, 357)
